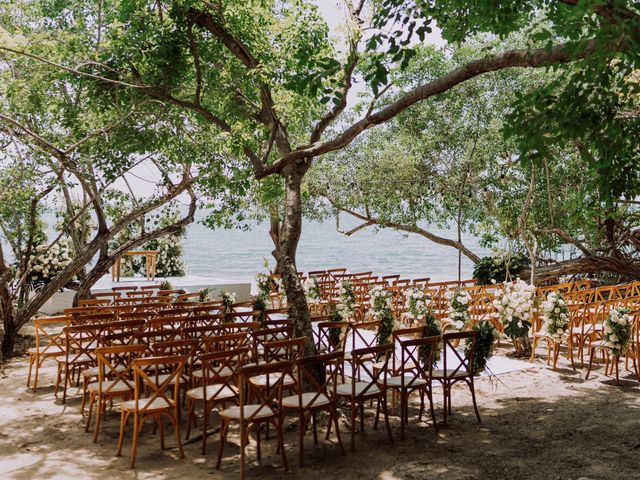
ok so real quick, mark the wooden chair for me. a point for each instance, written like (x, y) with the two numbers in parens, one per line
(332, 336)
(367, 383)
(115, 379)
(151, 399)
(319, 396)
(220, 372)
(49, 343)
(414, 374)
(80, 344)
(264, 409)
(457, 368)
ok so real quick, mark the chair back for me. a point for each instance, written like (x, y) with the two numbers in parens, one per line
(265, 396)
(149, 391)
(47, 331)
(363, 370)
(332, 336)
(454, 362)
(115, 365)
(284, 350)
(307, 369)
(416, 360)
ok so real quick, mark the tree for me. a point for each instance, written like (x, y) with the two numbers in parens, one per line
(255, 74)
(435, 162)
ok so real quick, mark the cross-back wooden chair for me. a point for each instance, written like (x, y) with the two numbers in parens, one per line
(220, 373)
(115, 379)
(257, 406)
(152, 399)
(457, 368)
(182, 348)
(367, 383)
(111, 296)
(320, 395)
(413, 373)
(259, 337)
(332, 336)
(80, 344)
(49, 343)
(364, 335)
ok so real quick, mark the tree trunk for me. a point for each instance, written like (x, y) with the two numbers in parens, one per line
(275, 226)
(286, 254)
(9, 338)
(587, 264)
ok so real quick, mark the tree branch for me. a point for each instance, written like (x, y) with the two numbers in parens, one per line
(512, 58)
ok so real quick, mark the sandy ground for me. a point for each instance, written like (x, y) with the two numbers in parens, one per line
(536, 424)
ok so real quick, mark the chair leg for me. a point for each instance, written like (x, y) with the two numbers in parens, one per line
(31, 358)
(205, 425)
(176, 426)
(123, 421)
(160, 422)
(616, 359)
(353, 425)
(243, 445)
(301, 430)
(280, 433)
(473, 398)
(592, 353)
(334, 414)
(98, 416)
(223, 434)
(35, 378)
(134, 445)
(386, 418)
(432, 410)
(92, 399)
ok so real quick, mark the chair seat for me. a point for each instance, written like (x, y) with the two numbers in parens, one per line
(75, 359)
(224, 372)
(249, 410)
(143, 403)
(440, 374)
(163, 378)
(52, 351)
(261, 380)
(410, 381)
(309, 400)
(346, 389)
(112, 386)
(94, 371)
(213, 392)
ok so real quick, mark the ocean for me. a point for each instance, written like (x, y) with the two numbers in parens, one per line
(237, 255)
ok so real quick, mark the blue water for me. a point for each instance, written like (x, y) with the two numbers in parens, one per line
(237, 255)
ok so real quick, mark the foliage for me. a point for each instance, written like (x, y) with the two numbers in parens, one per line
(484, 345)
(45, 263)
(204, 295)
(617, 331)
(347, 299)
(515, 304)
(415, 302)
(591, 103)
(170, 256)
(555, 315)
(380, 307)
(312, 290)
(432, 328)
(458, 311)
(499, 267)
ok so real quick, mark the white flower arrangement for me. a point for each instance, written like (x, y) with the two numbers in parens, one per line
(416, 303)
(47, 262)
(617, 331)
(515, 305)
(312, 290)
(458, 312)
(347, 300)
(263, 282)
(555, 315)
(228, 298)
(379, 300)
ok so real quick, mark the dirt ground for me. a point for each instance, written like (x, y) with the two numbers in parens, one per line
(536, 424)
